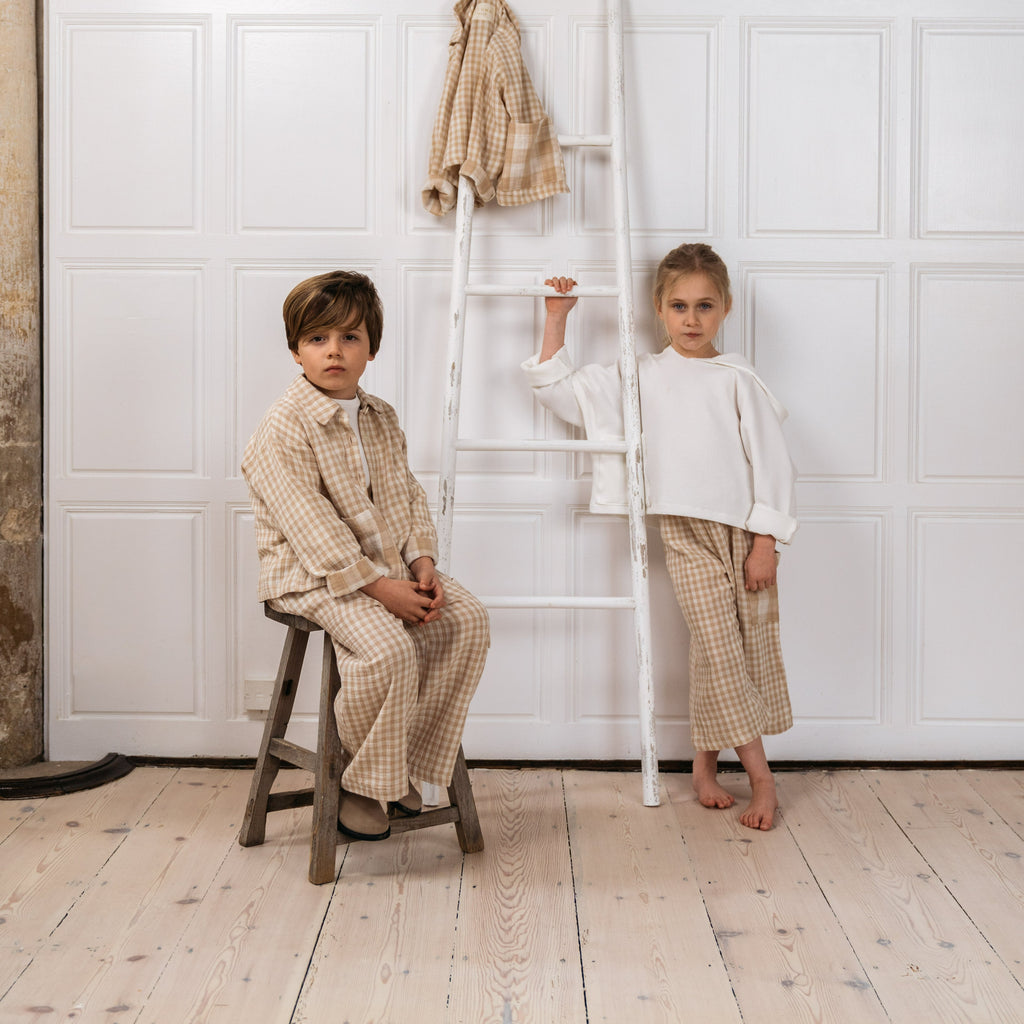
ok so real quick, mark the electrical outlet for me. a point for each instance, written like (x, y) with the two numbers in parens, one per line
(258, 693)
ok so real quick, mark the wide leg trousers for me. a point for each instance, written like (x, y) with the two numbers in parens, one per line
(738, 686)
(405, 689)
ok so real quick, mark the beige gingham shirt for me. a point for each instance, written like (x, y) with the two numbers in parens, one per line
(490, 126)
(316, 524)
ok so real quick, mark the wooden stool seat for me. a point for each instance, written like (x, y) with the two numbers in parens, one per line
(327, 763)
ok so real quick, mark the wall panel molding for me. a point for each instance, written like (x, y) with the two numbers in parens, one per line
(819, 333)
(292, 75)
(966, 568)
(133, 610)
(132, 339)
(823, 84)
(967, 368)
(839, 655)
(677, 192)
(131, 159)
(968, 133)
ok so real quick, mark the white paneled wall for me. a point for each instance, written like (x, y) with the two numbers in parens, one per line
(859, 166)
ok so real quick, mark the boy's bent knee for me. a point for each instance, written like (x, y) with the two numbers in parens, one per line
(471, 617)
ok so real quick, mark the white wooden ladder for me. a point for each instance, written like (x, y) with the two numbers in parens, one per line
(452, 444)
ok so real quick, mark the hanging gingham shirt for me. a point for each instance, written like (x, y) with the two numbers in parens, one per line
(490, 126)
(316, 524)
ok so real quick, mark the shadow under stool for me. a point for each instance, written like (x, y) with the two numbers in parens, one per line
(327, 763)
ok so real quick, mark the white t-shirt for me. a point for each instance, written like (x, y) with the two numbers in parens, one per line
(351, 407)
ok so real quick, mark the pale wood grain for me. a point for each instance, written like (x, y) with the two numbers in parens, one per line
(1003, 792)
(787, 956)
(13, 814)
(649, 953)
(924, 958)
(916, 869)
(978, 857)
(245, 953)
(385, 953)
(116, 940)
(517, 951)
(55, 857)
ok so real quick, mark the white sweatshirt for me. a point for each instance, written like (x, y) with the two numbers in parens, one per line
(712, 437)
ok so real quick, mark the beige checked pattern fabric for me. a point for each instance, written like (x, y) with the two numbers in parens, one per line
(405, 690)
(737, 680)
(490, 124)
(316, 524)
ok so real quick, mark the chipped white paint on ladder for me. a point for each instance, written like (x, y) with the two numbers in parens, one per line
(451, 444)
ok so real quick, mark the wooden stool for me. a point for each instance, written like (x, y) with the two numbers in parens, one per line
(327, 764)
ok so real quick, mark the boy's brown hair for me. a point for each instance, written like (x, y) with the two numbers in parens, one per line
(340, 298)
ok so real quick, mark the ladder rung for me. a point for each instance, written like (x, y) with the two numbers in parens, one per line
(594, 290)
(558, 602)
(570, 141)
(498, 444)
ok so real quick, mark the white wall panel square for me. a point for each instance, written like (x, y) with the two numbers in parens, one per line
(305, 125)
(133, 369)
(819, 339)
(499, 552)
(424, 60)
(495, 401)
(970, 78)
(605, 675)
(263, 365)
(255, 642)
(134, 610)
(132, 97)
(970, 368)
(970, 607)
(671, 107)
(832, 587)
(816, 127)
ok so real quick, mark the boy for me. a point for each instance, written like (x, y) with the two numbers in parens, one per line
(345, 539)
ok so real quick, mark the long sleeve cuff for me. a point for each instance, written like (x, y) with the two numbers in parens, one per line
(439, 195)
(539, 374)
(419, 547)
(763, 519)
(352, 578)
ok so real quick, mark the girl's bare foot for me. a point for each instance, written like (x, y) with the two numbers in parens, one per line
(760, 812)
(705, 781)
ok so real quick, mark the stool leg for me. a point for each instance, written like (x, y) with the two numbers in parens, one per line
(327, 784)
(460, 793)
(254, 824)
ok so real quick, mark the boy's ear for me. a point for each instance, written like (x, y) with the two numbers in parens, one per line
(296, 356)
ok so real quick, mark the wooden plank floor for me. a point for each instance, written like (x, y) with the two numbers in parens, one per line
(881, 896)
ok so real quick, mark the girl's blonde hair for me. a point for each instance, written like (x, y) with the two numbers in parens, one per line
(692, 258)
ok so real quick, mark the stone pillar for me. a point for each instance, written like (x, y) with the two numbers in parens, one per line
(21, 578)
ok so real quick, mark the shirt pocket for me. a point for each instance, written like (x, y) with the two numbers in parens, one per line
(529, 156)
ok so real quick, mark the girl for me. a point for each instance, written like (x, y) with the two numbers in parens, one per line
(719, 476)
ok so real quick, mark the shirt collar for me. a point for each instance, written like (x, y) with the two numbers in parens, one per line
(322, 408)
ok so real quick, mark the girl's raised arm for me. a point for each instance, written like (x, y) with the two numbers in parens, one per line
(557, 310)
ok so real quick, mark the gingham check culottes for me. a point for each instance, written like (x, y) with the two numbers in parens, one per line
(737, 680)
(405, 690)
